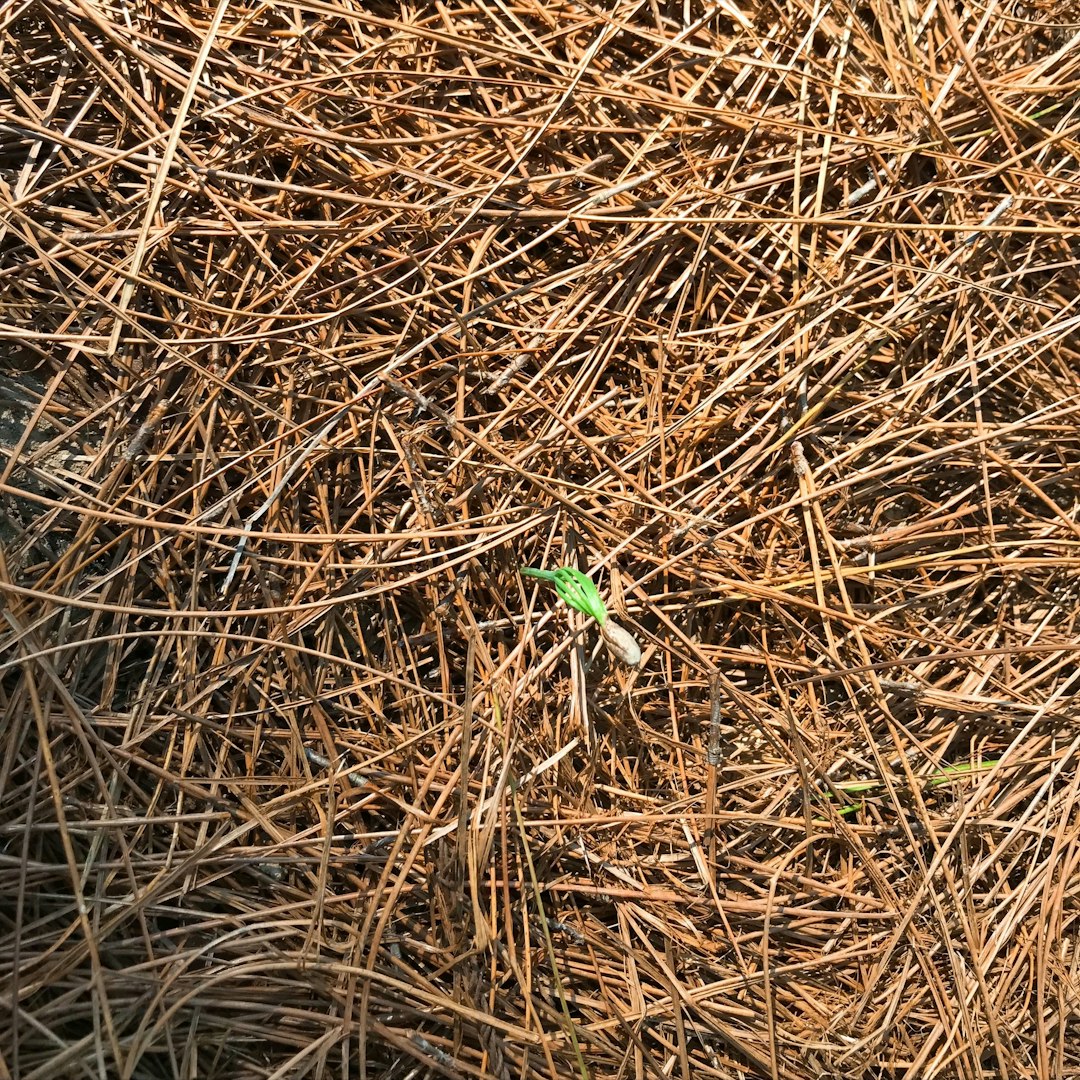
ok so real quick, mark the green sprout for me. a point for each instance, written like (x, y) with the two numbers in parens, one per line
(945, 775)
(574, 588)
(581, 594)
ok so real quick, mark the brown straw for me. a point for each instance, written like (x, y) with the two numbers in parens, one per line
(319, 320)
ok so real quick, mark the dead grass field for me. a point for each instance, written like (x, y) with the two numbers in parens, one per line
(321, 319)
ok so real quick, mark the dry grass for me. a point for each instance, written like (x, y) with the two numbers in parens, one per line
(320, 320)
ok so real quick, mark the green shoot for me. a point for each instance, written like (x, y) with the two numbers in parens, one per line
(574, 588)
(947, 774)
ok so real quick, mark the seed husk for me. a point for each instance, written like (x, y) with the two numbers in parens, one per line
(621, 643)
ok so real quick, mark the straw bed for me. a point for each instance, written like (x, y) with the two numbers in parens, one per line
(322, 320)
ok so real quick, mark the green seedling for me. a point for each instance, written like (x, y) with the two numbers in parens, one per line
(945, 775)
(574, 588)
(949, 773)
(581, 594)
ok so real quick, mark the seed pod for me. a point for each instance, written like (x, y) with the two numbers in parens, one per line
(620, 643)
